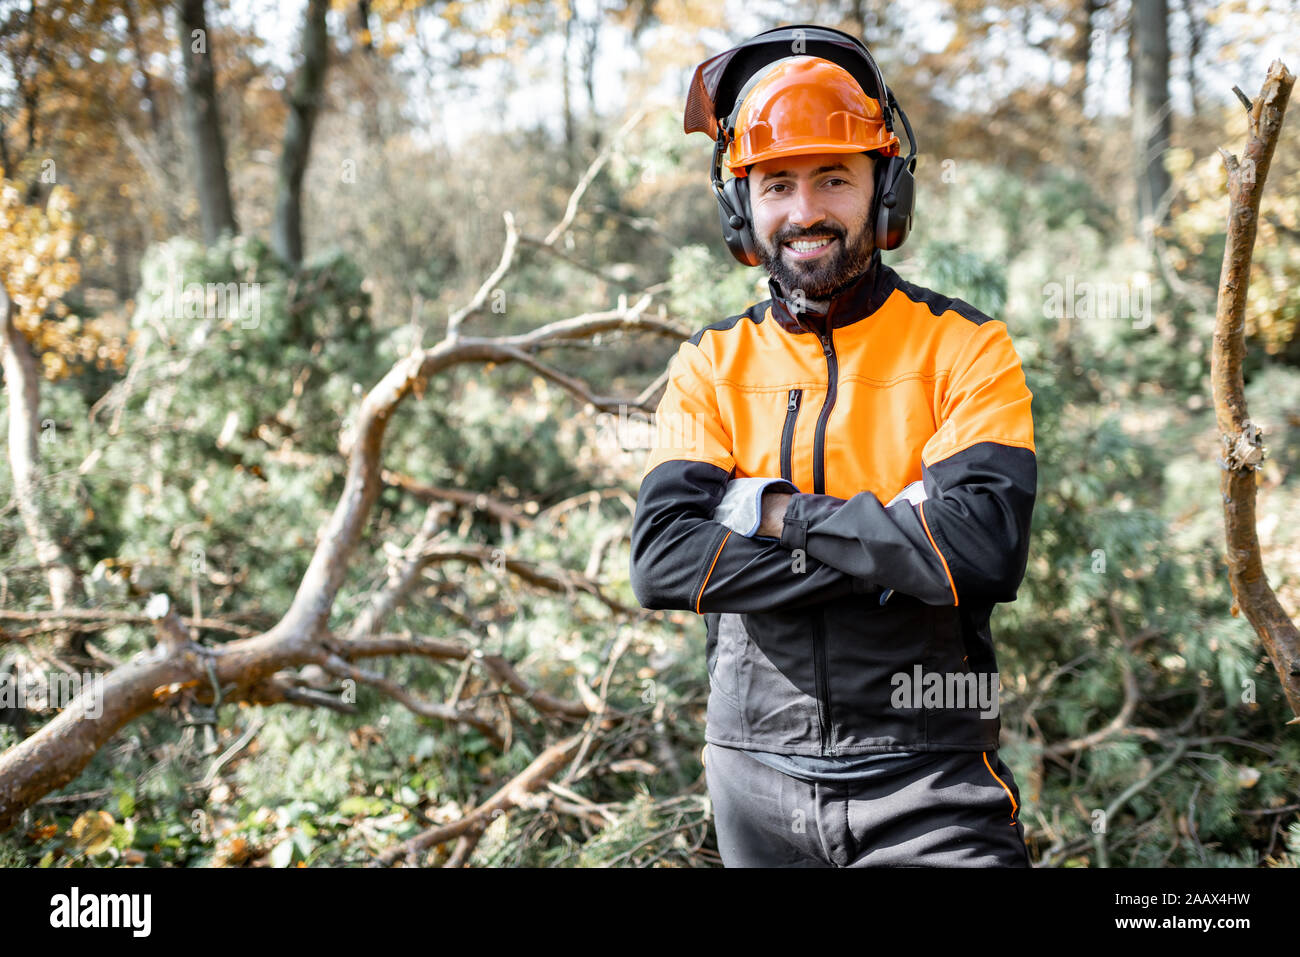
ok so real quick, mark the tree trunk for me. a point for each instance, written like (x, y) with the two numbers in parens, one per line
(590, 48)
(23, 383)
(370, 119)
(216, 209)
(147, 91)
(570, 154)
(1151, 110)
(29, 93)
(304, 103)
(1080, 54)
(1195, 33)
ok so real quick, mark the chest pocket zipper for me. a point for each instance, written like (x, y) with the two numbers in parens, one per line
(787, 434)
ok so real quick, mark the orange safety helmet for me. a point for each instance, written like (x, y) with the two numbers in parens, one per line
(806, 104)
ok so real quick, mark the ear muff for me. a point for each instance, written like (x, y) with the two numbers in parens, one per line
(737, 222)
(894, 200)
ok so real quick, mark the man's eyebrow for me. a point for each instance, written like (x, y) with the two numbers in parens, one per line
(817, 172)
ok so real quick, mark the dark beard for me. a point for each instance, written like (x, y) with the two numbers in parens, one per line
(820, 280)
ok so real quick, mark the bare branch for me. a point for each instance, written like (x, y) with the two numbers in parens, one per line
(516, 792)
(1131, 791)
(489, 505)
(575, 197)
(428, 709)
(1242, 442)
(495, 665)
(97, 619)
(402, 576)
(489, 284)
(620, 646)
(561, 580)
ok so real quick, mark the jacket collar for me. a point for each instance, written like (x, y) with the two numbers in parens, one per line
(856, 300)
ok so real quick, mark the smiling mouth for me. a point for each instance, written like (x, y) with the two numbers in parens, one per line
(809, 248)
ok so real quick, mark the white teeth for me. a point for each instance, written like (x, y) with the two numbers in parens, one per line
(804, 245)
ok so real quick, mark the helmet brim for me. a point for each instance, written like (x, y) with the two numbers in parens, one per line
(804, 147)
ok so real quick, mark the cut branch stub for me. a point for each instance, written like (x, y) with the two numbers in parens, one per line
(1245, 450)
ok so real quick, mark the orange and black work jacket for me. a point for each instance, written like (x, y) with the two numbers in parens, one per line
(808, 634)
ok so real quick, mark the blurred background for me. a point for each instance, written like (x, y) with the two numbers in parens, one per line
(349, 168)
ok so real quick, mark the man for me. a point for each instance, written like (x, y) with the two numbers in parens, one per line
(852, 716)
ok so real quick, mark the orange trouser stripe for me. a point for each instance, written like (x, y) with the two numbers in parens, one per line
(1004, 786)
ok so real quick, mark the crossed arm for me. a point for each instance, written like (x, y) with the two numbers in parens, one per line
(964, 535)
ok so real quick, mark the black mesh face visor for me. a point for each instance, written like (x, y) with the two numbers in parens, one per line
(717, 82)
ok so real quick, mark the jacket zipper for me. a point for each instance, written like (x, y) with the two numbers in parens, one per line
(819, 450)
(824, 715)
(824, 721)
(787, 434)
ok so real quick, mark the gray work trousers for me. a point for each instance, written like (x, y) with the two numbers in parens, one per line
(962, 810)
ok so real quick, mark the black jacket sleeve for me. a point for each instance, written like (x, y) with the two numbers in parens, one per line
(681, 558)
(969, 540)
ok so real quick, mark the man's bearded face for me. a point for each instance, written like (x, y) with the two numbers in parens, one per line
(811, 220)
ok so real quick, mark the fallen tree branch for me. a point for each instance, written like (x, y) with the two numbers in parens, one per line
(495, 665)
(480, 501)
(1121, 723)
(489, 284)
(97, 619)
(516, 792)
(1242, 443)
(249, 668)
(402, 576)
(428, 709)
(561, 580)
(1137, 787)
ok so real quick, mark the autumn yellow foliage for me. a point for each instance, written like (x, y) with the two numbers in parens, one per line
(1272, 307)
(38, 269)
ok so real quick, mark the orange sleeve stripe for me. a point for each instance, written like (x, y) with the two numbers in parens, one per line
(1004, 786)
(706, 577)
(951, 583)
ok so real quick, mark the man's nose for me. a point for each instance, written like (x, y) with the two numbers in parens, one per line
(806, 210)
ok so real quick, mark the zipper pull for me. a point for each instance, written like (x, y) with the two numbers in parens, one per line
(826, 346)
(794, 400)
